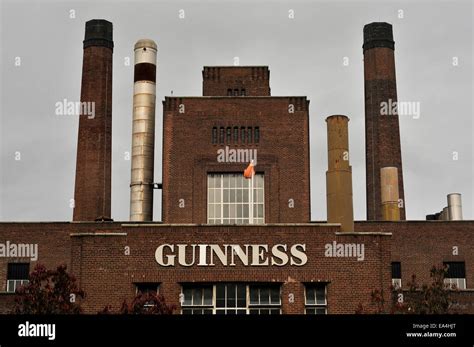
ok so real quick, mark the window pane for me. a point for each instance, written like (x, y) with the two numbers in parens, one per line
(218, 195)
(245, 211)
(226, 195)
(226, 211)
(320, 310)
(245, 195)
(217, 211)
(254, 296)
(275, 311)
(264, 295)
(217, 181)
(320, 295)
(310, 296)
(220, 295)
(210, 196)
(232, 211)
(231, 295)
(208, 296)
(241, 295)
(187, 296)
(275, 295)
(210, 181)
(197, 297)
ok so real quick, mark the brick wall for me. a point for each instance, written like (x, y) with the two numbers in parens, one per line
(252, 80)
(282, 152)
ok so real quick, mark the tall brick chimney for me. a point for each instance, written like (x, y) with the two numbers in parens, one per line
(382, 133)
(92, 193)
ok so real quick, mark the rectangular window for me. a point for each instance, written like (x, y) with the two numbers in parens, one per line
(214, 135)
(229, 92)
(249, 134)
(242, 135)
(231, 298)
(256, 136)
(396, 275)
(264, 299)
(221, 135)
(236, 135)
(197, 299)
(17, 275)
(232, 199)
(147, 287)
(315, 298)
(228, 134)
(456, 275)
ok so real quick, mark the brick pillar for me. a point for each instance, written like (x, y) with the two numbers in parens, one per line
(382, 133)
(292, 297)
(92, 193)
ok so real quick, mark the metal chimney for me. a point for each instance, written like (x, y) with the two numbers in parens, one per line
(389, 193)
(454, 206)
(143, 138)
(339, 174)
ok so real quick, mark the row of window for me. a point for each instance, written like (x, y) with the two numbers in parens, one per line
(236, 92)
(235, 135)
(455, 276)
(241, 298)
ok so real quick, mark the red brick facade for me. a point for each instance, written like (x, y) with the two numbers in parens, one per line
(189, 154)
(96, 255)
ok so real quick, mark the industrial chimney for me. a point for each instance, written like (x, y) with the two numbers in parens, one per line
(143, 137)
(339, 174)
(382, 134)
(454, 206)
(389, 193)
(92, 192)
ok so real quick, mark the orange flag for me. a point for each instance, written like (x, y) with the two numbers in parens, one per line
(249, 171)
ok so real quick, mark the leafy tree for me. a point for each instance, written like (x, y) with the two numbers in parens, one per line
(49, 292)
(434, 298)
(143, 303)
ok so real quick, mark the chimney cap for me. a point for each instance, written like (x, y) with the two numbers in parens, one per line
(335, 116)
(378, 34)
(98, 33)
(146, 43)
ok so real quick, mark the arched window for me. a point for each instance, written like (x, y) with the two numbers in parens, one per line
(228, 134)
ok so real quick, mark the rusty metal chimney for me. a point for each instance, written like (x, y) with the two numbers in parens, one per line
(390, 195)
(143, 138)
(339, 174)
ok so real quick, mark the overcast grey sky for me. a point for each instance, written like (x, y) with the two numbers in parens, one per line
(305, 56)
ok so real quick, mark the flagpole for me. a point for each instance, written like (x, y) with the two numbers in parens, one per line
(251, 198)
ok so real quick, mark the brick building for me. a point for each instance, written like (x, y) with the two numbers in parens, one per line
(228, 244)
